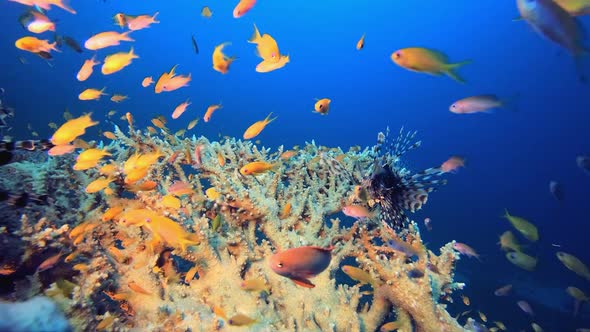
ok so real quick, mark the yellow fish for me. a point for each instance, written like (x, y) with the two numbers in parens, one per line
(73, 128)
(115, 62)
(91, 94)
(221, 62)
(266, 47)
(527, 229)
(522, 260)
(257, 127)
(98, 185)
(206, 12)
(574, 264)
(428, 61)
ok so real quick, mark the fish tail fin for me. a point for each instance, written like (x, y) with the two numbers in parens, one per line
(268, 119)
(255, 36)
(451, 70)
(125, 36)
(63, 4)
(154, 17)
(132, 54)
(506, 214)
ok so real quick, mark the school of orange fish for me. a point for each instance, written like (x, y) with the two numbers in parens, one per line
(554, 19)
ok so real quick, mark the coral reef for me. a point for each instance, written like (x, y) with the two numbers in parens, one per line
(179, 239)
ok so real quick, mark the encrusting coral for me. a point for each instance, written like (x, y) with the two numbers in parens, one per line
(179, 239)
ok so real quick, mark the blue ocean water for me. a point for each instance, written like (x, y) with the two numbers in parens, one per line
(511, 155)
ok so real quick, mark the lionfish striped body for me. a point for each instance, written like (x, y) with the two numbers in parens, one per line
(394, 188)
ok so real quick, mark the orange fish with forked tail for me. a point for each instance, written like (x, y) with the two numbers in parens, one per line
(301, 263)
(257, 127)
(427, 61)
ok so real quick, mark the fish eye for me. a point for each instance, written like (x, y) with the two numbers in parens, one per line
(453, 106)
(279, 264)
(148, 220)
(397, 55)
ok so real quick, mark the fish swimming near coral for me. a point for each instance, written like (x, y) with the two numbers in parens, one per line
(301, 263)
(393, 187)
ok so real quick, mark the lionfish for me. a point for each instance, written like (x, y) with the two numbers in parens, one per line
(393, 187)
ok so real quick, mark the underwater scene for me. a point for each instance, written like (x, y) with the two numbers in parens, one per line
(392, 166)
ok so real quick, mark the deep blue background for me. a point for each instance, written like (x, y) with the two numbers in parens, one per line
(511, 156)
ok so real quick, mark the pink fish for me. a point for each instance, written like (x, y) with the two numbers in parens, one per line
(49, 262)
(301, 263)
(476, 104)
(357, 211)
(60, 150)
(452, 164)
(465, 250)
(181, 108)
(107, 39)
(141, 21)
(526, 307)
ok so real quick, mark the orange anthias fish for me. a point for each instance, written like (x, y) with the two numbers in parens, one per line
(452, 164)
(91, 94)
(301, 263)
(257, 127)
(46, 4)
(180, 109)
(427, 61)
(243, 7)
(361, 43)
(465, 250)
(266, 47)
(322, 106)
(221, 62)
(256, 168)
(147, 81)
(141, 21)
(118, 98)
(116, 62)
(70, 130)
(106, 39)
(87, 69)
(210, 110)
(170, 81)
(34, 45)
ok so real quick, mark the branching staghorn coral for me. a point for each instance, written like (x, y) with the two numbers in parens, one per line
(170, 256)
